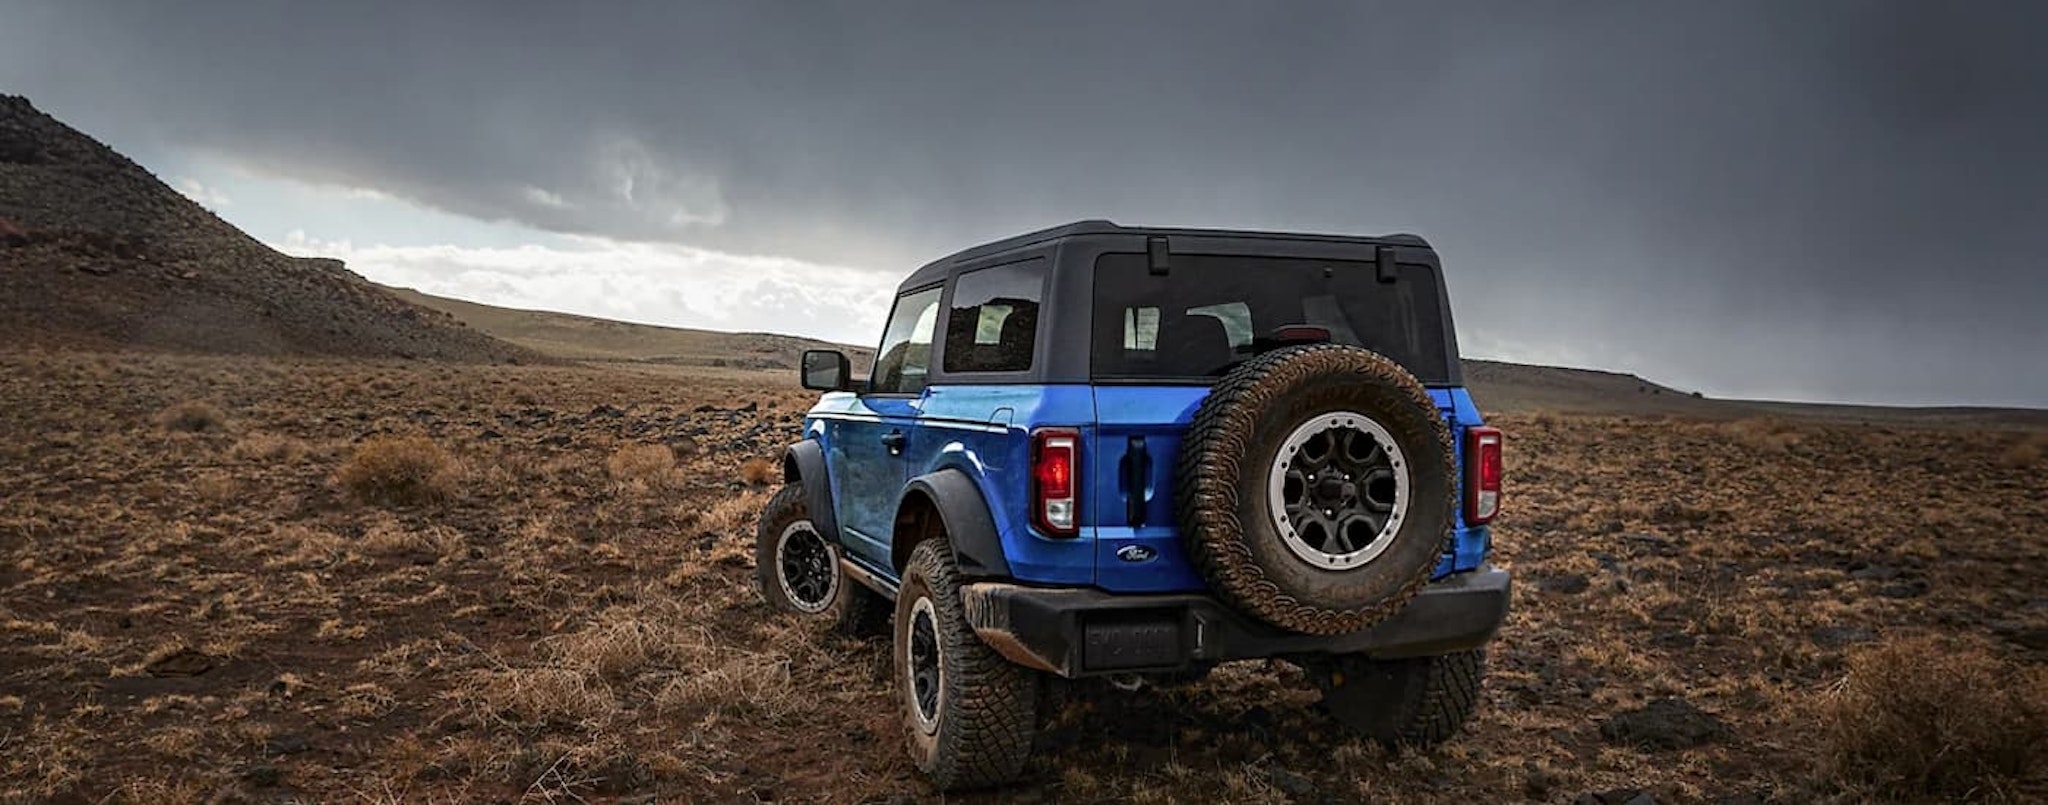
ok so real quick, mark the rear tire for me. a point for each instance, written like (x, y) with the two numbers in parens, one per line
(1419, 701)
(969, 714)
(797, 570)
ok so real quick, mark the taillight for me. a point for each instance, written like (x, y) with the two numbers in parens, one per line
(1055, 460)
(1482, 475)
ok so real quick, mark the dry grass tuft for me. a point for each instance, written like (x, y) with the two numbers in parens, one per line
(268, 447)
(192, 416)
(1764, 434)
(1927, 718)
(643, 465)
(400, 470)
(2025, 453)
(759, 472)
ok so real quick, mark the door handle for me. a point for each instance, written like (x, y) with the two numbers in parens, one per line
(894, 440)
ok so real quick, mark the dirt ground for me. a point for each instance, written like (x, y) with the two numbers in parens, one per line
(194, 608)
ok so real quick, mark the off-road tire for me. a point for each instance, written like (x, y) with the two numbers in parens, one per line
(1222, 495)
(854, 610)
(1418, 702)
(987, 710)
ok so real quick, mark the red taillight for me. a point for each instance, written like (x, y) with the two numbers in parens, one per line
(1482, 475)
(1055, 458)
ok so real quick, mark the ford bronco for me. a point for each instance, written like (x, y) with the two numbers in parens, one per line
(1098, 450)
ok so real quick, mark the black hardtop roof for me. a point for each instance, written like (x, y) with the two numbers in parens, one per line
(936, 270)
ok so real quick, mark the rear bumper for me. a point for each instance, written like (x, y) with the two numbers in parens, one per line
(1084, 632)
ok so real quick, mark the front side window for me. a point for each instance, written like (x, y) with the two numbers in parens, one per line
(993, 324)
(906, 354)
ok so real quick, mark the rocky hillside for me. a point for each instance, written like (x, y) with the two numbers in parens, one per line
(584, 338)
(95, 252)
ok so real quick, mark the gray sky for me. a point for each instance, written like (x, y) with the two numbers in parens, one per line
(1812, 200)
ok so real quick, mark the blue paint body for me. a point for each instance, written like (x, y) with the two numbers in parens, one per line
(984, 431)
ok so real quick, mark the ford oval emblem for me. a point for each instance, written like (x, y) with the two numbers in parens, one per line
(1136, 553)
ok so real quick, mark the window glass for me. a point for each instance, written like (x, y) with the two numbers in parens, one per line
(906, 354)
(1214, 310)
(993, 325)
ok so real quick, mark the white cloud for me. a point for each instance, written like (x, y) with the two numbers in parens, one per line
(208, 196)
(544, 197)
(666, 284)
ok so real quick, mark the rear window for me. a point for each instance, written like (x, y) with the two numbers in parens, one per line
(993, 323)
(1213, 311)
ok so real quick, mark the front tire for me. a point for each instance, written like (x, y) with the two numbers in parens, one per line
(1418, 701)
(969, 713)
(797, 569)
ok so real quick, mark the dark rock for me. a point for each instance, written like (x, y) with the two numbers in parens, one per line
(605, 411)
(1873, 572)
(2033, 637)
(1293, 785)
(1618, 796)
(1908, 589)
(261, 775)
(290, 743)
(1674, 640)
(750, 408)
(1564, 584)
(97, 269)
(1839, 636)
(1664, 724)
(1539, 783)
(490, 434)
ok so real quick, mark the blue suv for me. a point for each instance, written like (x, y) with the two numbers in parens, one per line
(1098, 450)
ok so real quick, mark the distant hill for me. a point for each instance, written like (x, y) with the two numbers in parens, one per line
(586, 338)
(96, 252)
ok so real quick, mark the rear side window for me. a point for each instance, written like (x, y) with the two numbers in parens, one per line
(993, 323)
(1212, 311)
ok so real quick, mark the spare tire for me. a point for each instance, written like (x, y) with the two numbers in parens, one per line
(1314, 488)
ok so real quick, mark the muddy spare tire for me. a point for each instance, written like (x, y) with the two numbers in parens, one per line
(1315, 488)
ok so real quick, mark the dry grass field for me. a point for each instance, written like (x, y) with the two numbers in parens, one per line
(234, 579)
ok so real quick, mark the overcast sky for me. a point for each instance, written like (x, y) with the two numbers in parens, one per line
(1808, 200)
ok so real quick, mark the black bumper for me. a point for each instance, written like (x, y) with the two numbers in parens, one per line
(1084, 632)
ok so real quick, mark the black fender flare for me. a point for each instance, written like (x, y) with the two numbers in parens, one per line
(970, 529)
(804, 463)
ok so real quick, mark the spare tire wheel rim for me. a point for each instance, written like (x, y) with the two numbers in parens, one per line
(807, 567)
(1338, 490)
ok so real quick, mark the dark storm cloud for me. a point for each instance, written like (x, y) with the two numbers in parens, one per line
(1822, 200)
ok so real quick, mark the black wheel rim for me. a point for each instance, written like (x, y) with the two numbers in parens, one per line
(1337, 491)
(926, 673)
(807, 567)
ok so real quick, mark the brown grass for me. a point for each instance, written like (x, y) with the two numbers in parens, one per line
(268, 447)
(548, 633)
(402, 470)
(1933, 718)
(759, 471)
(643, 465)
(2026, 453)
(192, 416)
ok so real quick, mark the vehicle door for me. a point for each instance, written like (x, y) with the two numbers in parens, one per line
(869, 439)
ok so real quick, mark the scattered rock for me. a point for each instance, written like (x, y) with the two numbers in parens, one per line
(1618, 796)
(1564, 584)
(1664, 724)
(1293, 785)
(1873, 572)
(1839, 636)
(290, 743)
(261, 775)
(183, 662)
